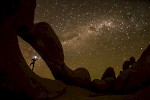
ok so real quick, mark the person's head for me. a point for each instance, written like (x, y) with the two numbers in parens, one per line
(132, 59)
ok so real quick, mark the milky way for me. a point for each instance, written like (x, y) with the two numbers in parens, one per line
(95, 34)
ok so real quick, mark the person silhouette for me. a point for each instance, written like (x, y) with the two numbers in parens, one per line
(129, 63)
(33, 61)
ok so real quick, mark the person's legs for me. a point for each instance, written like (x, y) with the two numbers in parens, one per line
(30, 64)
(33, 66)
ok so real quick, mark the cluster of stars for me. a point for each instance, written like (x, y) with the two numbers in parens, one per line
(96, 34)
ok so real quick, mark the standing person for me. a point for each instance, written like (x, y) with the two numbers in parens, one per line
(33, 61)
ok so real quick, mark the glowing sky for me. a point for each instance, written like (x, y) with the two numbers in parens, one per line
(95, 34)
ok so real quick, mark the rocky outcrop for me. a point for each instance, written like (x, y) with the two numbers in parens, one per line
(100, 86)
(16, 77)
(44, 40)
(17, 81)
(109, 73)
(105, 85)
(12, 78)
(136, 77)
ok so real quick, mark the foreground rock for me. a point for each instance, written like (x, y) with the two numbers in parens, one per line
(109, 72)
(44, 40)
(105, 85)
(17, 81)
(135, 78)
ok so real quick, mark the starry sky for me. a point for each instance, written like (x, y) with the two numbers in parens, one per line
(95, 34)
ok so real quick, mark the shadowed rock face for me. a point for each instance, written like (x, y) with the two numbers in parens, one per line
(17, 81)
(133, 79)
(100, 86)
(44, 40)
(104, 85)
(109, 72)
(12, 78)
(16, 76)
(136, 77)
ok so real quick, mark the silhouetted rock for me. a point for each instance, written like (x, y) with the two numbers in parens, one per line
(16, 75)
(142, 94)
(100, 86)
(44, 40)
(129, 63)
(46, 88)
(105, 84)
(17, 81)
(80, 77)
(13, 79)
(109, 72)
(136, 77)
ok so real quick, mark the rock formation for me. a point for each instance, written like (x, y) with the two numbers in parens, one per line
(109, 73)
(44, 40)
(100, 86)
(136, 77)
(105, 85)
(17, 81)
(16, 76)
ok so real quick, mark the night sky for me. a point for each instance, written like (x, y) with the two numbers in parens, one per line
(95, 34)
